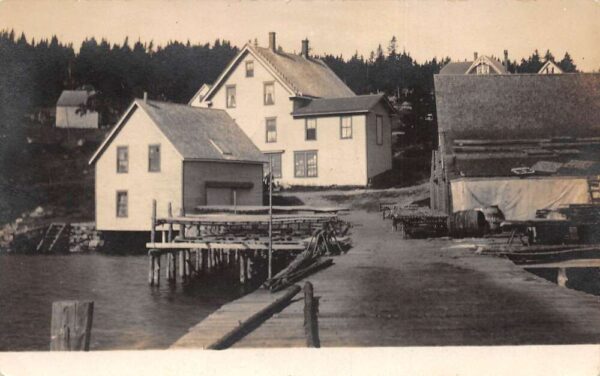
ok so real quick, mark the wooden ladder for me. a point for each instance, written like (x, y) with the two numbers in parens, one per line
(594, 188)
(51, 237)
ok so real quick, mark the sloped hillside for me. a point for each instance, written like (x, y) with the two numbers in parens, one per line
(47, 167)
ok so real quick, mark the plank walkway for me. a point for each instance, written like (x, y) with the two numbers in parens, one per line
(388, 291)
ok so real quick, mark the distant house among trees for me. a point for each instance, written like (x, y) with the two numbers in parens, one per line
(550, 67)
(71, 110)
(481, 65)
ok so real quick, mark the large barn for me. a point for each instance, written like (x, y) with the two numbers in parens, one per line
(523, 142)
(177, 154)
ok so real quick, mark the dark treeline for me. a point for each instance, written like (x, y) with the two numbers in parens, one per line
(33, 73)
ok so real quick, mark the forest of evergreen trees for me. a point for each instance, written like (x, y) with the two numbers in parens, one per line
(33, 73)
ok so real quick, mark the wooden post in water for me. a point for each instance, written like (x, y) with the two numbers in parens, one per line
(204, 261)
(157, 270)
(71, 325)
(151, 268)
(153, 222)
(311, 324)
(242, 267)
(180, 256)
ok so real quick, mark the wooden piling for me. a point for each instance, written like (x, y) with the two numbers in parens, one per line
(71, 325)
(311, 324)
(151, 262)
(157, 270)
(204, 261)
(242, 267)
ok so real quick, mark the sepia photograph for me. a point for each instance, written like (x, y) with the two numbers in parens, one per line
(296, 186)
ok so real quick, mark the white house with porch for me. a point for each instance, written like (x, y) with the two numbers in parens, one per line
(312, 127)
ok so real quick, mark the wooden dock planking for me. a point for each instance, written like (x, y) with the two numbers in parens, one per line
(226, 318)
(392, 292)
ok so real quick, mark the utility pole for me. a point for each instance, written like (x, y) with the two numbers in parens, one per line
(270, 218)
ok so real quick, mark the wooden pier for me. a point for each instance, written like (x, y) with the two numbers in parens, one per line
(389, 291)
(196, 245)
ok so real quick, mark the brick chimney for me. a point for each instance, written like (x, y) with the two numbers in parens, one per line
(305, 48)
(506, 60)
(475, 56)
(272, 41)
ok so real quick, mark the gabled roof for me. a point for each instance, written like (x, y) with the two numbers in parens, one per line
(550, 68)
(200, 93)
(337, 106)
(300, 76)
(459, 67)
(496, 65)
(73, 98)
(196, 133)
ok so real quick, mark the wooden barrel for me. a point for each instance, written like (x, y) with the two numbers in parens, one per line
(467, 223)
(493, 216)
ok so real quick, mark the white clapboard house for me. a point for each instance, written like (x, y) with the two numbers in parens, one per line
(69, 112)
(176, 154)
(312, 127)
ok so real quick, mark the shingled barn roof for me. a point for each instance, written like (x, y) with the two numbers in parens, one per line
(488, 123)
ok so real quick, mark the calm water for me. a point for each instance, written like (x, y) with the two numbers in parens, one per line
(128, 314)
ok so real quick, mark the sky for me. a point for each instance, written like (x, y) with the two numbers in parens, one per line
(426, 29)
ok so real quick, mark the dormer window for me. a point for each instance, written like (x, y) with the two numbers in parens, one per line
(230, 96)
(483, 69)
(250, 68)
(269, 93)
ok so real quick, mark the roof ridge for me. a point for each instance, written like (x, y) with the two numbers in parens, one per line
(272, 66)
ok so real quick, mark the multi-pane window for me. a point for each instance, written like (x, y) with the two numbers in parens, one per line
(154, 158)
(275, 161)
(271, 125)
(122, 159)
(346, 127)
(269, 93)
(311, 129)
(230, 96)
(379, 129)
(305, 164)
(483, 69)
(250, 68)
(122, 204)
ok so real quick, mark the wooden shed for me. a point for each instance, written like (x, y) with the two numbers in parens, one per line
(523, 142)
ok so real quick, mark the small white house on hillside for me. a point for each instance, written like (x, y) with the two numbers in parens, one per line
(68, 113)
(173, 153)
(312, 127)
